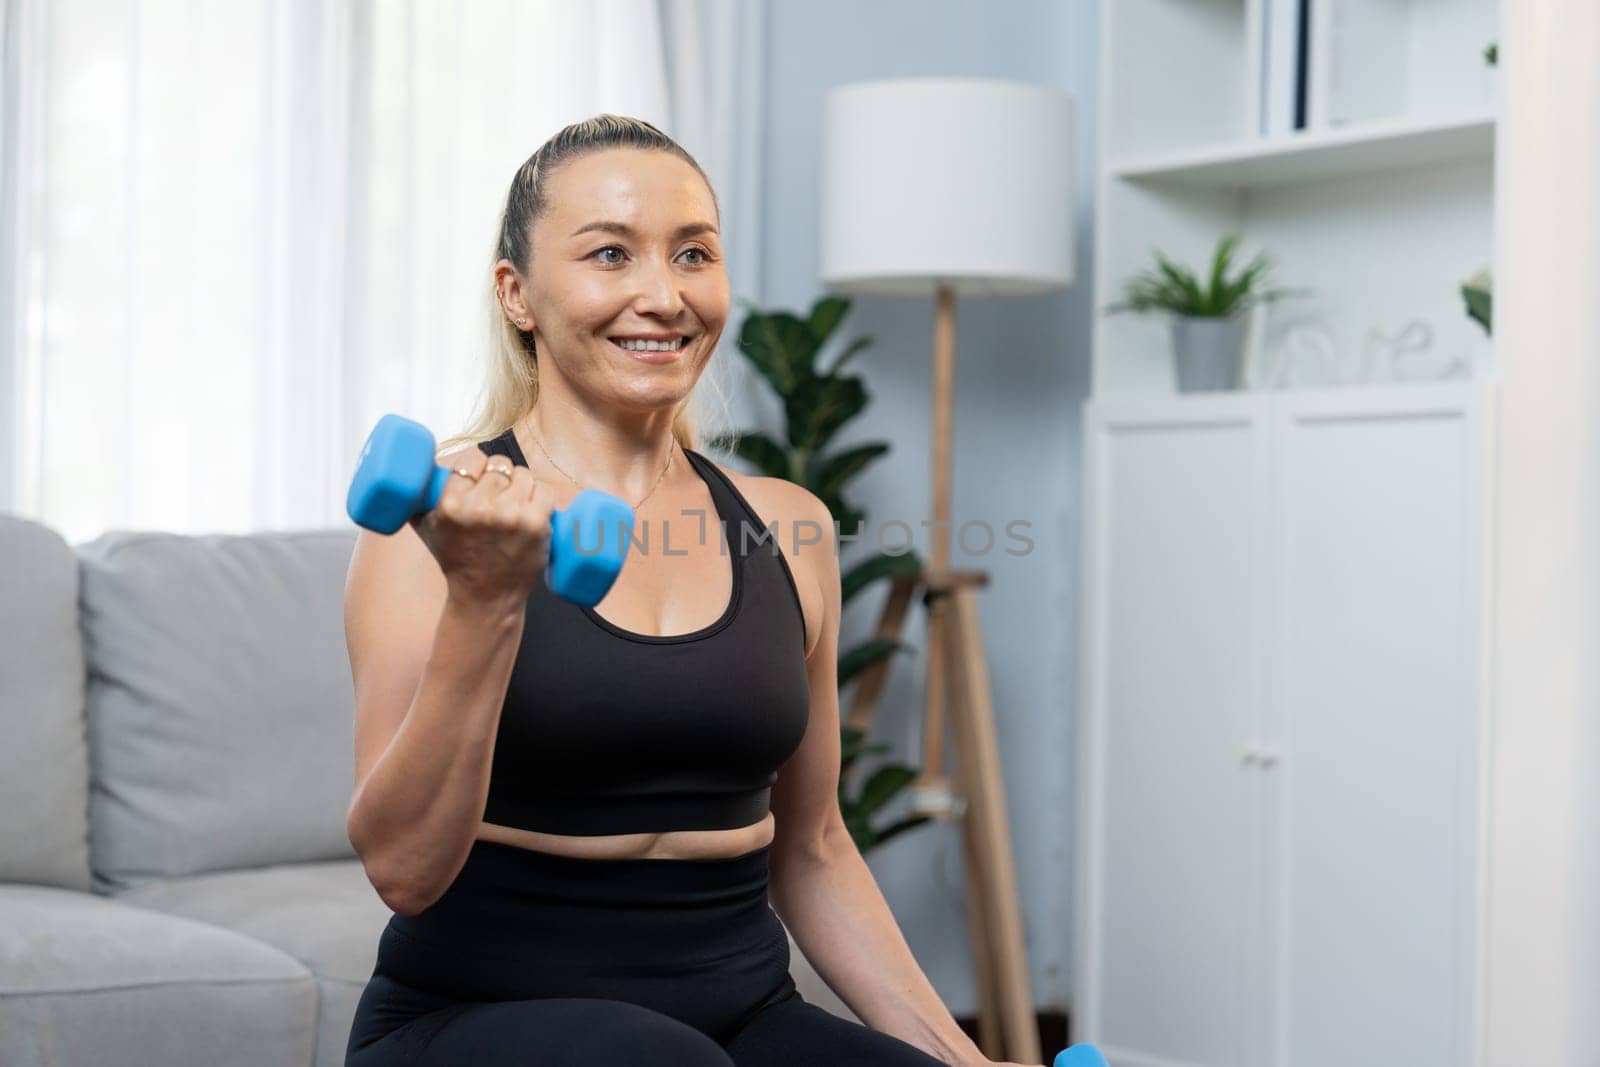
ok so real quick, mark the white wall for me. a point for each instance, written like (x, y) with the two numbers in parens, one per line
(1022, 373)
(1543, 944)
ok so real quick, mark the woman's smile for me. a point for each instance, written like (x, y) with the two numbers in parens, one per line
(652, 350)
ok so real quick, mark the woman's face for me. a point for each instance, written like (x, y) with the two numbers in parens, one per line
(628, 249)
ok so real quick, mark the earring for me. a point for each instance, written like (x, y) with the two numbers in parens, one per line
(523, 323)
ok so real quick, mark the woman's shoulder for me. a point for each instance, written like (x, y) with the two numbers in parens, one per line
(805, 536)
(776, 500)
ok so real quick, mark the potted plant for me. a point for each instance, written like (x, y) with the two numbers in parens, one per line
(1208, 323)
(783, 348)
(1478, 293)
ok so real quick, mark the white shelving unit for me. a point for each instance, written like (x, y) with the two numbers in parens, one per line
(1283, 732)
(1349, 152)
(1381, 209)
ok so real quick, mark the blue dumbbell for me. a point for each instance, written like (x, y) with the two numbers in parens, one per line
(397, 478)
(1080, 1056)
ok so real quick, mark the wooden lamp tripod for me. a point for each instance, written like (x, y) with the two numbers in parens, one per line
(957, 671)
(943, 185)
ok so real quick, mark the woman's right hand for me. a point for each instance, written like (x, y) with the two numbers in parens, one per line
(491, 536)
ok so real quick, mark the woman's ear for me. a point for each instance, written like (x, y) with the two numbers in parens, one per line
(508, 290)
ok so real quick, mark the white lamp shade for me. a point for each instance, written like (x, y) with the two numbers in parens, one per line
(964, 182)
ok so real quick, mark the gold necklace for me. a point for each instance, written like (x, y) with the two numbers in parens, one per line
(580, 485)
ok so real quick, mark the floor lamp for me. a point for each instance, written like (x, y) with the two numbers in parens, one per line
(946, 186)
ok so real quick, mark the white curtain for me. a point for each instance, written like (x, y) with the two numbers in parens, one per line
(716, 64)
(235, 234)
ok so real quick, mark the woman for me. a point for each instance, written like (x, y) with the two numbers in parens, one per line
(576, 815)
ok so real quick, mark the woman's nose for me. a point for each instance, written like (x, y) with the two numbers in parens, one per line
(658, 291)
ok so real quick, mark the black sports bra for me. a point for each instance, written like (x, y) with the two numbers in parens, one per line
(607, 731)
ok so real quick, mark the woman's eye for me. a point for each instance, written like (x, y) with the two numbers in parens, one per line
(702, 253)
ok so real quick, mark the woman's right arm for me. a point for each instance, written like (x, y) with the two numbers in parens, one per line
(431, 660)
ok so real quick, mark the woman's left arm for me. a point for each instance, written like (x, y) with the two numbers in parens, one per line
(820, 886)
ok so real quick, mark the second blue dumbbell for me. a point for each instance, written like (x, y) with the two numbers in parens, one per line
(397, 478)
(1084, 1055)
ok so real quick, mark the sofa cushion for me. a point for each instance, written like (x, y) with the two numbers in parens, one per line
(84, 979)
(219, 702)
(44, 759)
(326, 915)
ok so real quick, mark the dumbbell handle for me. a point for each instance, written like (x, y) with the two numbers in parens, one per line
(396, 479)
(563, 537)
(436, 485)
(1082, 1055)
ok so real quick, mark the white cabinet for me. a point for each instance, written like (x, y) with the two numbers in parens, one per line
(1280, 737)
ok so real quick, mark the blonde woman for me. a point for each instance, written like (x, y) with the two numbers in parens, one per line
(576, 814)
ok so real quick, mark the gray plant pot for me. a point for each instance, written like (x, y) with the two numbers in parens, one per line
(1207, 352)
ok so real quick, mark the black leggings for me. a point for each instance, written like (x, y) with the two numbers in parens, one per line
(541, 960)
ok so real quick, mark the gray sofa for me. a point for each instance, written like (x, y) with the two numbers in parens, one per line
(176, 758)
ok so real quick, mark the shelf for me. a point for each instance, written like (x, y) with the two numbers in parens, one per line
(1369, 397)
(1310, 156)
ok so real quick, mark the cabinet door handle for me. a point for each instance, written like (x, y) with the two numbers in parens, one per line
(1268, 757)
(1252, 754)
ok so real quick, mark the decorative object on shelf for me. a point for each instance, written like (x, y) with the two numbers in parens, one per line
(1491, 55)
(1208, 330)
(1478, 292)
(1284, 67)
(783, 348)
(1390, 359)
(1305, 356)
(993, 215)
(1409, 356)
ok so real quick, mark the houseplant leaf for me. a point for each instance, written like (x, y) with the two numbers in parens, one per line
(1216, 303)
(1176, 289)
(831, 472)
(848, 519)
(1188, 300)
(781, 346)
(865, 655)
(817, 407)
(883, 565)
(853, 743)
(850, 350)
(895, 829)
(1478, 293)
(764, 453)
(826, 314)
(883, 784)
